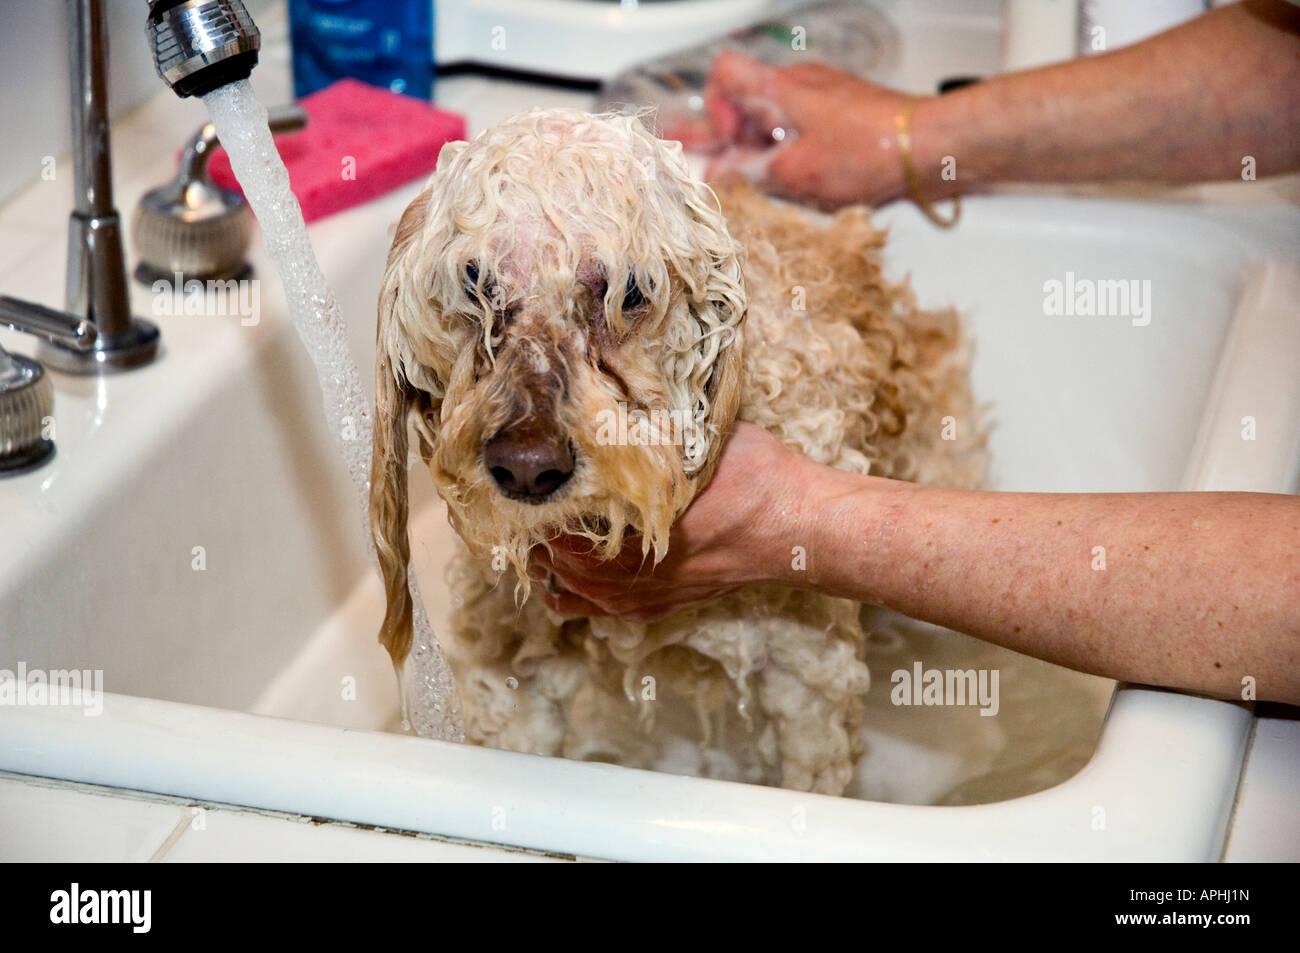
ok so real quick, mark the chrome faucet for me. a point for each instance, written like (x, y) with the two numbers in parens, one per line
(198, 46)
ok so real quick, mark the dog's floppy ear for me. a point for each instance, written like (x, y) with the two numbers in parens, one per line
(714, 382)
(389, 509)
(394, 398)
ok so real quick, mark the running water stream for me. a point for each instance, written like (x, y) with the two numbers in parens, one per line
(241, 123)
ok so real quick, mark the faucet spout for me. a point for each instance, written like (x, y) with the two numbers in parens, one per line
(96, 278)
(202, 45)
(96, 283)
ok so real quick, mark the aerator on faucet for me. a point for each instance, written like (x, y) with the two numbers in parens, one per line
(202, 45)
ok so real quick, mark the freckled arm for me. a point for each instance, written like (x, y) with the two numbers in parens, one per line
(1188, 590)
(1187, 105)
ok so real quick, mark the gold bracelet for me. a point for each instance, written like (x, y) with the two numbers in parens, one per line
(902, 123)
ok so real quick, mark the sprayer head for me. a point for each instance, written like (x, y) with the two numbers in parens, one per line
(202, 45)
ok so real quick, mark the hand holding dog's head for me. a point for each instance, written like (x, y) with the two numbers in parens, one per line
(559, 318)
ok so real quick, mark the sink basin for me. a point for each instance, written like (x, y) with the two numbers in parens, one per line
(196, 539)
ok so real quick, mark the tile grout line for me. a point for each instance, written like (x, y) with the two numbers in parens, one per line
(171, 840)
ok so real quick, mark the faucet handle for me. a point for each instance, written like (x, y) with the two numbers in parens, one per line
(57, 327)
(26, 408)
(26, 392)
(198, 148)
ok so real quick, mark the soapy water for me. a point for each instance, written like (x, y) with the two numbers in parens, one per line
(241, 123)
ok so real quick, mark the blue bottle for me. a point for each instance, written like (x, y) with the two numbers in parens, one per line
(386, 43)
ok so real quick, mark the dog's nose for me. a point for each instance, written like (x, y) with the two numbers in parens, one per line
(528, 467)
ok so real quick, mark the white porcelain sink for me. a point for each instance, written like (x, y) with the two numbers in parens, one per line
(221, 446)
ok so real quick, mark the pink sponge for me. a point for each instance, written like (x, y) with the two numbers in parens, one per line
(361, 142)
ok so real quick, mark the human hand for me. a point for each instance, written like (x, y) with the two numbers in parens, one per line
(732, 534)
(839, 146)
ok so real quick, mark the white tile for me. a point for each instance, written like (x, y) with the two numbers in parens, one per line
(227, 835)
(21, 251)
(50, 822)
(1266, 824)
(485, 102)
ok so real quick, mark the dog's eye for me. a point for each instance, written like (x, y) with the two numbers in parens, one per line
(471, 277)
(632, 296)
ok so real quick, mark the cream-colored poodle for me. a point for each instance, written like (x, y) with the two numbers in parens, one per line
(571, 322)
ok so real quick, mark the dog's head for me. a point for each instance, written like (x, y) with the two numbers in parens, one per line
(559, 319)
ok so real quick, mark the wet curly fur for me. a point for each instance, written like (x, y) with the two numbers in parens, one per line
(564, 269)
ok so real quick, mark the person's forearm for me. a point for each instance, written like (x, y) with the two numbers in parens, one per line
(1192, 591)
(1188, 105)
